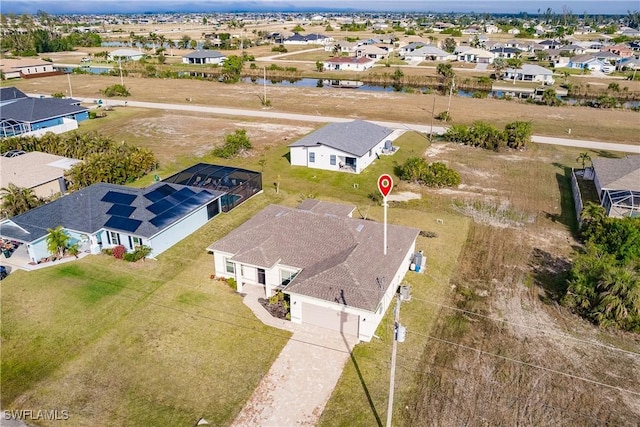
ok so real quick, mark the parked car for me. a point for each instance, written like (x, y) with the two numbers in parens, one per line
(3, 272)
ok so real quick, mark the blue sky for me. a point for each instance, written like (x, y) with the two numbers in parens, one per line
(490, 6)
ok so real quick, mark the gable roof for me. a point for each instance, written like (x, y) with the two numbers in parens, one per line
(141, 212)
(202, 54)
(339, 257)
(38, 109)
(356, 137)
(32, 169)
(618, 174)
(429, 50)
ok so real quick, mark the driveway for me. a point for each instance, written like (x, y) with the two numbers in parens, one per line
(297, 387)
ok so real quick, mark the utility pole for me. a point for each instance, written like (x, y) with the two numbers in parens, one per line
(69, 79)
(264, 85)
(399, 333)
(433, 113)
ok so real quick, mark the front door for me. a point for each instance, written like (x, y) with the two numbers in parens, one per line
(261, 276)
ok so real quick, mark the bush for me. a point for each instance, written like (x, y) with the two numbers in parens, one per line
(437, 174)
(118, 252)
(444, 116)
(235, 143)
(115, 90)
(129, 257)
(232, 283)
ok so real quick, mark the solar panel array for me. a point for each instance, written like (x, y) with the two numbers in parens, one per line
(170, 204)
(117, 197)
(121, 211)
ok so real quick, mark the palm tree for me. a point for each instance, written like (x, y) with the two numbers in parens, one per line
(17, 200)
(498, 66)
(583, 158)
(515, 63)
(57, 240)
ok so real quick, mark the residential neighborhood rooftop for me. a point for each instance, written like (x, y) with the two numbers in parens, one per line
(34, 168)
(618, 174)
(341, 259)
(341, 137)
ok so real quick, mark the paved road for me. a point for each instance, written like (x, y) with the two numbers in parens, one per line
(591, 145)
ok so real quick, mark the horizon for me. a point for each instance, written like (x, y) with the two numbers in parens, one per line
(66, 7)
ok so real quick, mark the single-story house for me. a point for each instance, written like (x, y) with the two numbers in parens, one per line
(204, 57)
(474, 55)
(408, 48)
(349, 63)
(28, 116)
(505, 52)
(43, 173)
(298, 38)
(107, 215)
(530, 73)
(632, 63)
(618, 184)
(25, 67)
(550, 44)
(589, 62)
(126, 55)
(371, 51)
(428, 53)
(342, 47)
(332, 266)
(349, 147)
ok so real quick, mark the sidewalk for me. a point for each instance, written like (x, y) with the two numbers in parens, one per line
(297, 387)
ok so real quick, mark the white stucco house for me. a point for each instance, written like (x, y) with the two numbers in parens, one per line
(428, 53)
(530, 73)
(204, 57)
(126, 55)
(331, 266)
(349, 63)
(617, 182)
(347, 147)
(25, 67)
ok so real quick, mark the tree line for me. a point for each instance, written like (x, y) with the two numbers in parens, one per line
(484, 135)
(23, 36)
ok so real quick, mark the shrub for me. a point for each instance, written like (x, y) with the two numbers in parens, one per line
(118, 252)
(235, 143)
(437, 174)
(232, 283)
(115, 90)
(130, 257)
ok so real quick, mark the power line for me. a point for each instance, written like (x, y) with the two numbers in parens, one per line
(495, 319)
(531, 365)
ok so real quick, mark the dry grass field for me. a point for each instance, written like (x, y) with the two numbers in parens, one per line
(507, 235)
(585, 123)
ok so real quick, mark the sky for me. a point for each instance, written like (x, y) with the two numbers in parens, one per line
(160, 6)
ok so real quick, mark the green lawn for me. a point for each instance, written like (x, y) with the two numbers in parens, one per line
(153, 343)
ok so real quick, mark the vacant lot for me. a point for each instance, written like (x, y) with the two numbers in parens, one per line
(161, 341)
(584, 122)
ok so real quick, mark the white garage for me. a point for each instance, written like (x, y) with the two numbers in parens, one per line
(329, 318)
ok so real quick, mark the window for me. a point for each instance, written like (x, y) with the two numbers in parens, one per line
(370, 153)
(137, 241)
(114, 238)
(312, 157)
(332, 160)
(287, 276)
(230, 266)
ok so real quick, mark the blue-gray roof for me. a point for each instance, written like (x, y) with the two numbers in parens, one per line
(38, 109)
(10, 94)
(201, 54)
(141, 212)
(356, 137)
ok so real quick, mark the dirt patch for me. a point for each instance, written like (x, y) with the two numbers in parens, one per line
(404, 196)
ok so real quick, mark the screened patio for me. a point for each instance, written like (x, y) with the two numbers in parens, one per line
(238, 184)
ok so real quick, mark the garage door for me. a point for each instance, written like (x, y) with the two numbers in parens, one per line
(331, 319)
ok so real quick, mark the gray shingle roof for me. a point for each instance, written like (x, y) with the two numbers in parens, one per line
(341, 259)
(38, 109)
(356, 137)
(327, 208)
(202, 54)
(618, 174)
(10, 93)
(84, 211)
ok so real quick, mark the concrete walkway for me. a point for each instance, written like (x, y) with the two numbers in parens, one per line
(297, 387)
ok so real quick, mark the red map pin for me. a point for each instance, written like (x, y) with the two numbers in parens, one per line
(385, 184)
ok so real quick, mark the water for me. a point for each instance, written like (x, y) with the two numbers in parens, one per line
(92, 70)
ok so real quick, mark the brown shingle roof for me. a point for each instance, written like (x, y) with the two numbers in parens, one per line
(618, 174)
(341, 259)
